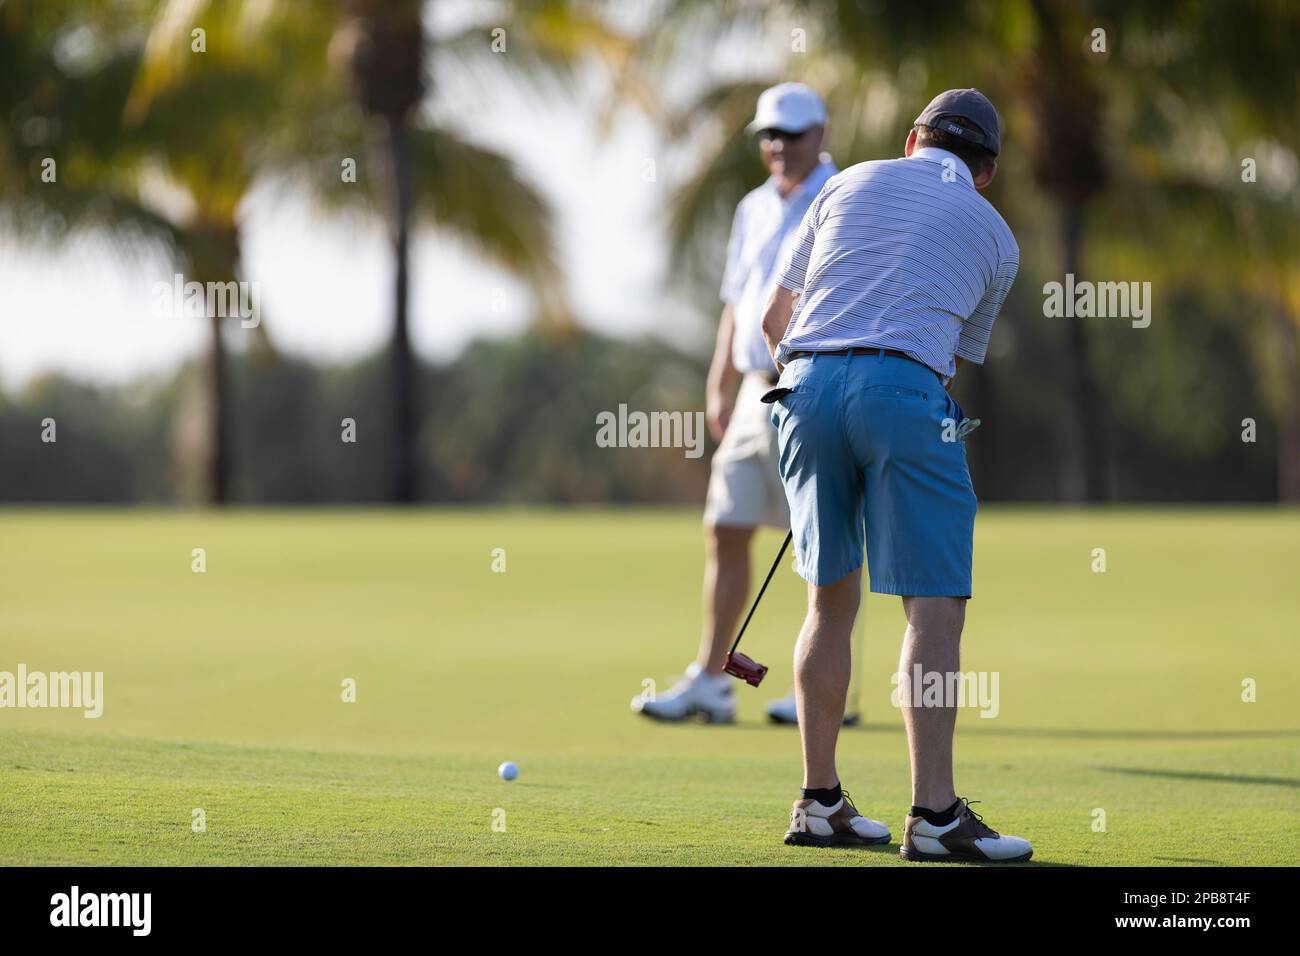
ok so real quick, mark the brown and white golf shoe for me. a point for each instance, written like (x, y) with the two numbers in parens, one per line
(812, 824)
(967, 839)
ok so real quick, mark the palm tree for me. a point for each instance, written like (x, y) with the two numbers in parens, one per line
(111, 135)
(1069, 168)
(429, 172)
(384, 44)
(264, 102)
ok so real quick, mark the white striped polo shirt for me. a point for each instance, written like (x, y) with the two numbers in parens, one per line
(902, 254)
(762, 232)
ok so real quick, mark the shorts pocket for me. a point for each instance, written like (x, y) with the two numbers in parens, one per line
(898, 393)
(788, 399)
(783, 394)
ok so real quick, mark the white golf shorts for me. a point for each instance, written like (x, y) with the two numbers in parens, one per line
(745, 488)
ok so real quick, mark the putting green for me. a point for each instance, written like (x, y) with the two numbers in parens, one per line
(1119, 692)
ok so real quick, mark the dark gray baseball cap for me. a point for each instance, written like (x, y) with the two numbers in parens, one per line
(972, 106)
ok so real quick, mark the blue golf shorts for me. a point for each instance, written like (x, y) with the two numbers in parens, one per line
(869, 456)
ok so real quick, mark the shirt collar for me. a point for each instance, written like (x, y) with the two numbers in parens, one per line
(812, 183)
(939, 155)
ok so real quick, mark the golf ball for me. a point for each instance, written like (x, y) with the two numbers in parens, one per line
(508, 770)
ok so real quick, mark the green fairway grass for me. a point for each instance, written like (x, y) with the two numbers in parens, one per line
(1119, 691)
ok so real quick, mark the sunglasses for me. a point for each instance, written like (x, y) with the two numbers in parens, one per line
(767, 135)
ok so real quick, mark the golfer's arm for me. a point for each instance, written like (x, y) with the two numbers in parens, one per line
(722, 373)
(776, 318)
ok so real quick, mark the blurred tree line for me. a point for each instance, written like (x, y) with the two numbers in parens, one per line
(510, 420)
(514, 420)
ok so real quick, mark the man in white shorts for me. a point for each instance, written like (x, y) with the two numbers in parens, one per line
(745, 490)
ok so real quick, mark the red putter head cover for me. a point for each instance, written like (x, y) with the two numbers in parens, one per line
(747, 669)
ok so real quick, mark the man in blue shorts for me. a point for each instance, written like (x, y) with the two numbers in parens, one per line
(896, 276)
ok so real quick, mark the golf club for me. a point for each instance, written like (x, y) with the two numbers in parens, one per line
(740, 665)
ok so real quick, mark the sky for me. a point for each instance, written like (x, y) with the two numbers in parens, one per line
(85, 309)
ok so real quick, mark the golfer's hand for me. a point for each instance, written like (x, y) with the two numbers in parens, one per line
(717, 411)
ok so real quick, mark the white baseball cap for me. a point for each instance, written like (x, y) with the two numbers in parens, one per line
(792, 107)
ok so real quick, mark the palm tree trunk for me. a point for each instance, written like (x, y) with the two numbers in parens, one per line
(219, 414)
(214, 255)
(384, 40)
(1083, 459)
(1070, 166)
(403, 372)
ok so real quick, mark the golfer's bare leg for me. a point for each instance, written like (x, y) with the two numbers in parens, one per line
(821, 674)
(932, 642)
(726, 589)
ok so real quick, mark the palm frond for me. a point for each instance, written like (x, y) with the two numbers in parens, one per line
(478, 196)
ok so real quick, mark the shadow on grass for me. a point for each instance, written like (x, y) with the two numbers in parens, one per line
(1084, 733)
(1203, 777)
(891, 849)
(980, 730)
(1028, 865)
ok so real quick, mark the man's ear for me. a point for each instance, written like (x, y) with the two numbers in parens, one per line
(986, 177)
(911, 142)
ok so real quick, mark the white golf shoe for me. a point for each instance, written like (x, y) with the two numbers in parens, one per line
(812, 824)
(966, 839)
(696, 694)
(783, 711)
